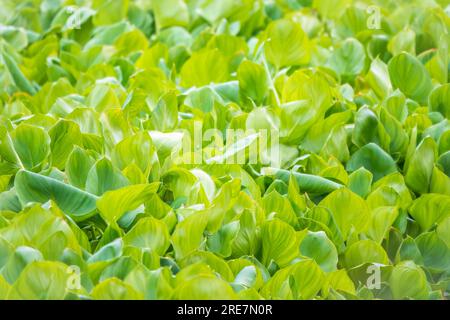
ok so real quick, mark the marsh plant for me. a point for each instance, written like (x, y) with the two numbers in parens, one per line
(224, 149)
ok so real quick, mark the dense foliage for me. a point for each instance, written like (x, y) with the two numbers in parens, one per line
(98, 199)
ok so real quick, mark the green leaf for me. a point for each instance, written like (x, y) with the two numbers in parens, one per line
(170, 13)
(378, 78)
(348, 209)
(21, 82)
(397, 135)
(320, 132)
(17, 37)
(246, 278)
(314, 88)
(408, 281)
(302, 280)
(317, 246)
(18, 260)
(149, 233)
(410, 76)
(247, 240)
(108, 252)
(78, 165)
(216, 264)
(430, 209)
(43, 280)
(210, 149)
(276, 204)
(53, 247)
(279, 243)
(404, 41)
(253, 82)
(109, 11)
(408, 250)
(439, 100)
(444, 162)
(31, 144)
(119, 268)
(420, 168)
(435, 252)
(330, 9)
(366, 127)
(130, 42)
(204, 287)
(443, 230)
(4, 288)
(286, 44)
(10, 201)
(64, 136)
(395, 183)
(340, 281)
(203, 68)
(360, 182)
(396, 105)
(32, 187)
(137, 149)
(115, 289)
(306, 182)
(296, 118)
(105, 35)
(165, 116)
(113, 204)
(103, 177)
(374, 159)
(215, 10)
(440, 182)
(365, 251)
(188, 234)
(349, 59)
(221, 242)
(382, 220)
